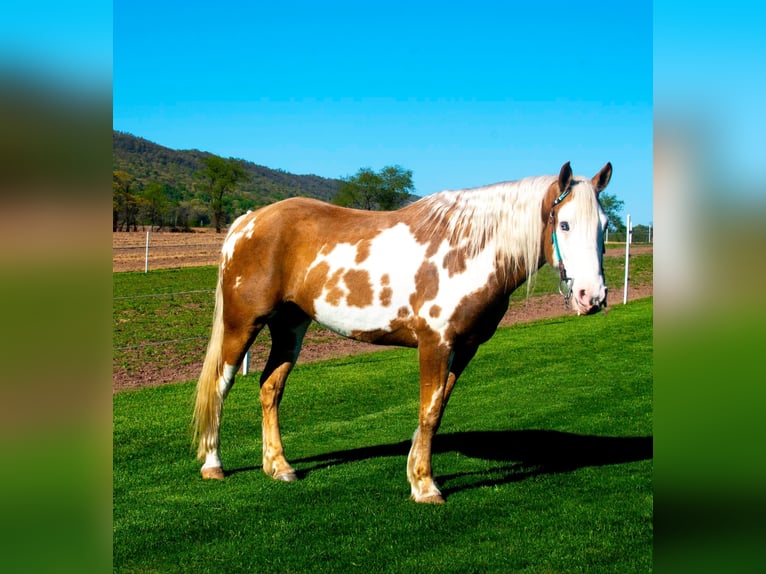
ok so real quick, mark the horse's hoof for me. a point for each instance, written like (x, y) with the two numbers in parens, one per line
(286, 476)
(432, 499)
(212, 473)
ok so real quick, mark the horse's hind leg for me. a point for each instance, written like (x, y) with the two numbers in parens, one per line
(216, 381)
(288, 327)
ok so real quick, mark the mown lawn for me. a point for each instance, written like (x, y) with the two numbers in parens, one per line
(544, 455)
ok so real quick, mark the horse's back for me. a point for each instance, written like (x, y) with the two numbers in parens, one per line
(304, 219)
(284, 238)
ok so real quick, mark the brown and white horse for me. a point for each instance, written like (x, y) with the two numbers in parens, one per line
(435, 275)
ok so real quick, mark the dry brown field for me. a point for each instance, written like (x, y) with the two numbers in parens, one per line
(166, 249)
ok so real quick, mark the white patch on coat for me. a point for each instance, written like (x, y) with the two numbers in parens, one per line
(226, 380)
(396, 254)
(237, 230)
(212, 460)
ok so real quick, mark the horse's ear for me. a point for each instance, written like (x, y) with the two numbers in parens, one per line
(565, 177)
(601, 179)
(556, 190)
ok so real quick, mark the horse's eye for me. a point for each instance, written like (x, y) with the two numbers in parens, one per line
(564, 226)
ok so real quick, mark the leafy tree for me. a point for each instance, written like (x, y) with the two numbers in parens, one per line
(200, 213)
(384, 190)
(396, 188)
(218, 177)
(181, 215)
(641, 233)
(125, 203)
(358, 190)
(613, 209)
(155, 205)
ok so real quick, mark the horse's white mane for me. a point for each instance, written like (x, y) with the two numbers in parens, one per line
(507, 214)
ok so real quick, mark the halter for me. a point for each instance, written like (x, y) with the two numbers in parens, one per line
(565, 283)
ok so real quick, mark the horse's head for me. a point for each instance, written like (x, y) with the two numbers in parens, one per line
(575, 225)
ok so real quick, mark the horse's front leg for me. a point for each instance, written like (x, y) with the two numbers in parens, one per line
(434, 368)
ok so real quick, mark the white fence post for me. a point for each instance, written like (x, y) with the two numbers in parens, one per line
(146, 258)
(628, 235)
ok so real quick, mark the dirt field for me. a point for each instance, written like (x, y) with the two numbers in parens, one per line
(169, 250)
(166, 250)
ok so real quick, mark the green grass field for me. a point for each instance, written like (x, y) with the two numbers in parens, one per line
(544, 456)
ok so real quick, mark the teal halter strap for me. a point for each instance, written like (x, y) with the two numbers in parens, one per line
(565, 284)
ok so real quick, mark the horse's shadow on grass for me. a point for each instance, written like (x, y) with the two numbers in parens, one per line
(521, 454)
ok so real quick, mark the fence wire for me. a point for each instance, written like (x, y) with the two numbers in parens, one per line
(163, 294)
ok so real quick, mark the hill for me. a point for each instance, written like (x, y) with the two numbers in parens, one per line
(149, 164)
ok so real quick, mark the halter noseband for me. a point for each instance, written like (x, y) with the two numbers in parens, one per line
(565, 283)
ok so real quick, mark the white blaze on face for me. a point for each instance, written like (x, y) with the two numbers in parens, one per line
(393, 262)
(579, 232)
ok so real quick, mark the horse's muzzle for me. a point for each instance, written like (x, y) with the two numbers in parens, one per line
(587, 303)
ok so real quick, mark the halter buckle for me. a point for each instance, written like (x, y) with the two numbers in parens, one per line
(565, 289)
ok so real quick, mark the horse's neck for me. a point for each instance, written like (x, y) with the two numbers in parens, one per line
(514, 275)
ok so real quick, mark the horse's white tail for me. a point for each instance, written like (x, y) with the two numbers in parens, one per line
(209, 402)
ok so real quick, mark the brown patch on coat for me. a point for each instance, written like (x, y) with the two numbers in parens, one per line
(455, 262)
(362, 251)
(433, 246)
(385, 296)
(386, 293)
(335, 293)
(403, 331)
(461, 233)
(434, 233)
(435, 311)
(478, 314)
(360, 288)
(400, 331)
(314, 284)
(426, 286)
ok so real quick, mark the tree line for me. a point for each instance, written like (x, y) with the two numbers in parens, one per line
(158, 205)
(162, 187)
(216, 198)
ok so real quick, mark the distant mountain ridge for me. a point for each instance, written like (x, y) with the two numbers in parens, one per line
(148, 162)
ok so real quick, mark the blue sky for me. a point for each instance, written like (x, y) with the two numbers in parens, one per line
(461, 93)
(67, 43)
